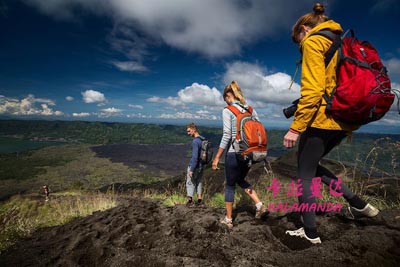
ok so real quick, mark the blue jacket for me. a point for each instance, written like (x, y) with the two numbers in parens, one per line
(195, 159)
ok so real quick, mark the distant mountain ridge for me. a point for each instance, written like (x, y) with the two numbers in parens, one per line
(386, 147)
(98, 132)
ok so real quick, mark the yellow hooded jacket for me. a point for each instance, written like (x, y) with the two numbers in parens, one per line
(315, 81)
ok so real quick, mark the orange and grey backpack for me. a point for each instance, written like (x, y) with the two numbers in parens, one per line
(250, 143)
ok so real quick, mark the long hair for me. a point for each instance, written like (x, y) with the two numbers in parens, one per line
(234, 88)
(310, 19)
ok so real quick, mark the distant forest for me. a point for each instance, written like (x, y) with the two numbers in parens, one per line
(380, 150)
(98, 132)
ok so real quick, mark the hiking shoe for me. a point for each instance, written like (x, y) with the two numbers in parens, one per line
(368, 211)
(190, 204)
(260, 212)
(228, 223)
(300, 232)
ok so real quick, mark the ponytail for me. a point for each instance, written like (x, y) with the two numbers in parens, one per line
(234, 88)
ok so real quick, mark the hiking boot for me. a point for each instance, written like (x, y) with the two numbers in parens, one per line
(368, 211)
(300, 232)
(228, 223)
(260, 212)
(190, 204)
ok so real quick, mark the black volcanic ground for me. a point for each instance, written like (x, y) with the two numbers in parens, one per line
(142, 232)
(170, 158)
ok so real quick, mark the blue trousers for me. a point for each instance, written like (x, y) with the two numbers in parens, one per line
(235, 173)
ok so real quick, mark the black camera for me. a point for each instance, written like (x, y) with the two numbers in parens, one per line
(289, 111)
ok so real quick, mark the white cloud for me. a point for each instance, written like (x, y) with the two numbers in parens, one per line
(194, 94)
(91, 96)
(201, 94)
(81, 114)
(208, 27)
(69, 98)
(139, 115)
(259, 87)
(396, 87)
(261, 90)
(212, 28)
(46, 111)
(135, 106)
(111, 110)
(129, 66)
(28, 106)
(188, 115)
(173, 101)
(393, 66)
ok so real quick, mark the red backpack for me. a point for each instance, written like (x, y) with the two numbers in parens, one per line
(363, 91)
(250, 143)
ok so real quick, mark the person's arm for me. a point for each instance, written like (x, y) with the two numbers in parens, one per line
(195, 155)
(313, 79)
(226, 136)
(217, 158)
(312, 89)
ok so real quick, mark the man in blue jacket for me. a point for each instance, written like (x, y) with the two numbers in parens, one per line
(195, 169)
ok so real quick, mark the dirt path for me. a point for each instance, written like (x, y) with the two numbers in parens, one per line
(144, 233)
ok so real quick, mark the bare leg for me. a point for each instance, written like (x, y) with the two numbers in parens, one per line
(229, 208)
(252, 194)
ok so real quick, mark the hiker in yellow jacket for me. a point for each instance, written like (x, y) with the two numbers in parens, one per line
(319, 133)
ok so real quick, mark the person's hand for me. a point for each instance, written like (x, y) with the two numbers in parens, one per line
(190, 174)
(290, 139)
(215, 164)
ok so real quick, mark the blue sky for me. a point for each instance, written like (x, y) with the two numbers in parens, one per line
(167, 61)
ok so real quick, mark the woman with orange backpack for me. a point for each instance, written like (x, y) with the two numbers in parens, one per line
(235, 169)
(319, 133)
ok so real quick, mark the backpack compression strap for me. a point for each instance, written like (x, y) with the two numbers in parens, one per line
(238, 113)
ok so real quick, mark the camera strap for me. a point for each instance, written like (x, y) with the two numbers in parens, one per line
(295, 74)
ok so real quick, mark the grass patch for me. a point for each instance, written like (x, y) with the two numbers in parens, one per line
(217, 201)
(174, 199)
(22, 215)
(63, 168)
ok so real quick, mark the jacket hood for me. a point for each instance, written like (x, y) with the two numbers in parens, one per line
(327, 25)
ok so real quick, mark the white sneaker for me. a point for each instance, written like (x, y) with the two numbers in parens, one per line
(300, 232)
(368, 211)
(228, 223)
(260, 212)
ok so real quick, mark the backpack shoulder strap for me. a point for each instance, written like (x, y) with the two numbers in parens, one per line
(236, 111)
(233, 109)
(336, 43)
(250, 109)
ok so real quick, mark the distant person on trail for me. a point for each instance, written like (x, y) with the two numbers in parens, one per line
(235, 170)
(195, 169)
(46, 191)
(319, 133)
